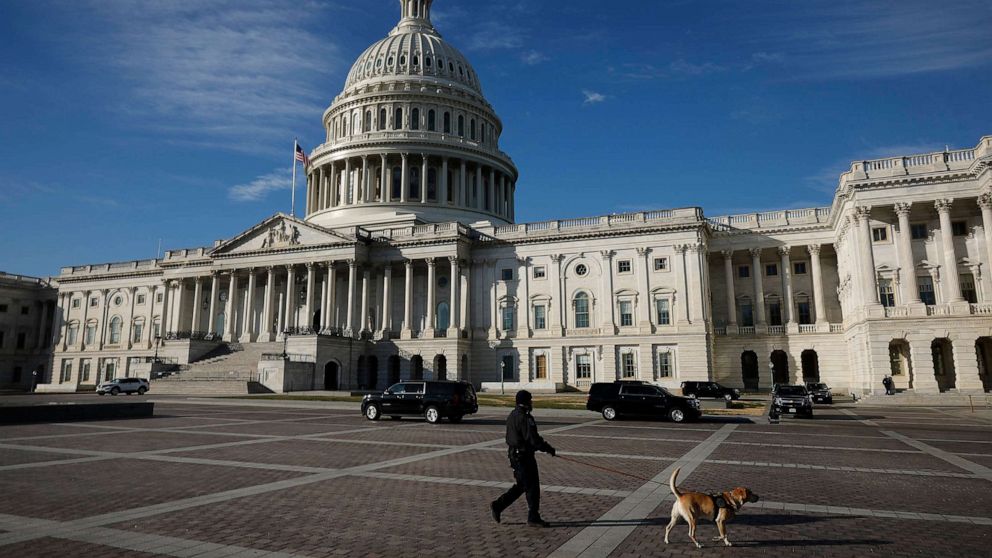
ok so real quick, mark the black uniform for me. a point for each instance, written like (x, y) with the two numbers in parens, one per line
(523, 441)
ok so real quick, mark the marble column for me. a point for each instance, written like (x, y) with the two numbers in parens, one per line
(352, 278)
(950, 279)
(786, 274)
(311, 288)
(643, 268)
(466, 298)
(364, 317)
(454, 308)
(494, 324)
(332, 296)
(197, 304)
(423, 179)
(383, 182)
(907, 272)
(758, 306)
(363, 189)
(868, 274)
(523, 308)
(985, 202)
(728, 275)
(230, 325)
(407, 332)
(476, 194)
(558, 302)
(268, 305)
(177, 320)
(405, 177)
(289, 302)
(431, 296)
(150, 320)
(462, 198)
(819, 307)
(492, 190)
(333, 187)
(387, 306)
(442, 195)
(607, 303)
(248, 335)
(324, 294)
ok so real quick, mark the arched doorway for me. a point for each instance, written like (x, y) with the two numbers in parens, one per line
(441, 367)
(943, 363)
(780, 367)
(749, 370)
(811, 366)
(417, 368)
(331, 376)
(394, 369)
(900, 364)
(372, 372)
(983, 349)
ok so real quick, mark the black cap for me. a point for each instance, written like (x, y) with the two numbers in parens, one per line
(523, 397)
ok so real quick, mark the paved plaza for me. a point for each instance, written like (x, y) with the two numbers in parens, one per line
(234, 478)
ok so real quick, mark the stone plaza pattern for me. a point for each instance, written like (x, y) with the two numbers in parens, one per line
(408, 263)
(218, 478)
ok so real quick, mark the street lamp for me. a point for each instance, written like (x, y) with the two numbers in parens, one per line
(285, 339)
(502, 377)
(158, 341)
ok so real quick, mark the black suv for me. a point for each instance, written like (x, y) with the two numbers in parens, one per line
(796, 400)
(820, 392)
(431, 400)
(710, 389)
(633, 398)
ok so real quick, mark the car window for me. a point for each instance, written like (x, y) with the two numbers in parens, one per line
(414, 388)
(791, 390)
(397, 388)
(639, 390)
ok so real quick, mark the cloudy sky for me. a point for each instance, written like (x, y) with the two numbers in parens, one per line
(125, 123)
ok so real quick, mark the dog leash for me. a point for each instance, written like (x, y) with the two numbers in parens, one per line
(607, 469)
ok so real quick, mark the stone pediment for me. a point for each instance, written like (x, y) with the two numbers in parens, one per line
(280, 232)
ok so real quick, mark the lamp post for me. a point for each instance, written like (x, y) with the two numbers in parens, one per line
(285, 340)
(502, 377)
(158, 341)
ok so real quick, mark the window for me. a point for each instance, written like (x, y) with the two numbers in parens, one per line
(66, 371)
(541, 367)
(628, 365)
(799, 268)
(926, 291)
(431, 118)
(918, 231)
(21, 340)
(471, 129)
(540, 272)
(381, 124)
(73, 333)
(415, 119)
(25, 310)
(158, 297)
(398, 119)
(367, 122)
(94, 302)
(665, 365)
(661, 264)
(959, 228)
(507, 318)
(663, 310)
(880, 234)
(90, 335)
(583, 367)
(461, 126)
(115, 330)
(506, 274)
(139, 329)
(774, 314)
(771, 270)
(626, 313)
(804, 313)
(581, 270)
(886, 294)
(581, 310)
(432, 184)
(397, 183)
(75, 303)
(968, 289)
(157, 328)
(743, 272)
(747, 314)
(140, 299)
(447, 123)
(623, 266)
(540, 316)
(84, 368)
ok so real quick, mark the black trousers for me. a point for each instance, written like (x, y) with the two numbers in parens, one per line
(528, 481)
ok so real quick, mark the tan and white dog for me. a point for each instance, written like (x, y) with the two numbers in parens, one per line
(693, 506)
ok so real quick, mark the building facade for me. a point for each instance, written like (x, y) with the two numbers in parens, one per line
(27, 308)
(408, 263)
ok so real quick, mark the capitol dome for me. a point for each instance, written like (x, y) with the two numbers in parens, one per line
(411, 138)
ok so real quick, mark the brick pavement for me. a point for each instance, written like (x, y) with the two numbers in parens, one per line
(234, 479)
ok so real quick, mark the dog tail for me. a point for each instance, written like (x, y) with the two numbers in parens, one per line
(671, 483)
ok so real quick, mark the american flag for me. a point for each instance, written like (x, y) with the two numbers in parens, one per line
(302, 156)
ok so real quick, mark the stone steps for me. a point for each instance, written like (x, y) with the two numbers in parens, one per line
(947, 399)
(199, 387)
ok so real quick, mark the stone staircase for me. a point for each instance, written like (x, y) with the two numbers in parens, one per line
(230, 369)
(911, 399)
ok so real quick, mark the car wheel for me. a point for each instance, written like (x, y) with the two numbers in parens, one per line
(677, 415)
(432, 415)
(114, 391)
(141, 391)
(609, 413)
(455, 418)
(372, 412)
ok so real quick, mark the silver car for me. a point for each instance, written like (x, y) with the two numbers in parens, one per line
(123, 385)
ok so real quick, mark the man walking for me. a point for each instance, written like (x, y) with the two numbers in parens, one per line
(523, 441)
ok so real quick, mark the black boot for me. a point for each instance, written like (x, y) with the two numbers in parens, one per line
(538, 522)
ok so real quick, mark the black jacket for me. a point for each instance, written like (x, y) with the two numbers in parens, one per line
(521, 432)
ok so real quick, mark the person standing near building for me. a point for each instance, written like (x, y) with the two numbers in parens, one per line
(523, 442)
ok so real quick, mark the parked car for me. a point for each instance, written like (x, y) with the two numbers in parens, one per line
(429, 399)
(792, 399)
(710, 389)
(634, 398)
(820, 392)
(123, 385)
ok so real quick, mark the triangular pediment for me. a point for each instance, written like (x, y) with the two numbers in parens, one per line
(280, 233)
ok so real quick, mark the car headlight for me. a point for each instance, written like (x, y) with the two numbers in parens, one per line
(777, 401)
(694, 403)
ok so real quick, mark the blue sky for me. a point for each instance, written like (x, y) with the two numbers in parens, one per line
(124, 122)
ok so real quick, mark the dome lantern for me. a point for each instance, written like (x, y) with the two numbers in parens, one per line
(415, 13)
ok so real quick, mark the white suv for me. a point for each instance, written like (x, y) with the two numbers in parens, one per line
(123, 385)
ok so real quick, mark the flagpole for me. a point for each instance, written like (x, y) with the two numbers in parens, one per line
(292, 212)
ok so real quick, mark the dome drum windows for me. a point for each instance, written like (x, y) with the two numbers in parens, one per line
(415, 119)
(447, 122)
(367, 124)
(382, 119)
(398, 119)
(461, 126)
(431, 121)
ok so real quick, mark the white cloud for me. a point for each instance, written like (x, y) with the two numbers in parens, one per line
(592, 97)
(494, 35)
(533, 58)
(262, 186)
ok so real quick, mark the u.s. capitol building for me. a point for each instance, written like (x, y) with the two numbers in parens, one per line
(409, 263)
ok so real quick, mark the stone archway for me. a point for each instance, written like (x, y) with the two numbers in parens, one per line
(362, 373)
(393, 365)
(942, 352)
(331, 376)
(440, 367)
(749, 371)
(983, 350)
(417, 367)
(372, 372)
(780, 367)
(901, 364)
(810, 363)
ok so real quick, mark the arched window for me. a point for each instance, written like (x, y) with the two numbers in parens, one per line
(432, 184)
(137, 330)
(461, 126)
(414, 184)
(397, 189)
(382, 119)
(367, 125)
(355, 126)
(431, 118)
(344, 126)
(115, 330)
(471, 128)
(398, 119)
(73, 334)
(447, 122)
(581, 310)
(415, 119)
